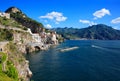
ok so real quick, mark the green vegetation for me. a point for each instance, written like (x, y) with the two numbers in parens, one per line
(8, 62)
(3, 57)
(11, 73)
(24, 20)
(100, 32)
(4, 77)
(27, 22)
(6, 35)
(4, 21)
(15, 55)
(12, 48)
(60, 38)
(67, 33)
(10, 22)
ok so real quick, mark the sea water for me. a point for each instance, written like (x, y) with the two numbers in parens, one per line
(94, 60)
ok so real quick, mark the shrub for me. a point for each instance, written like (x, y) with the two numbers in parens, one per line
(6, 35)
(3, 57)
(12, 72)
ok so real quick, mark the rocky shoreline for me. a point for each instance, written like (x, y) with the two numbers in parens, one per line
(26, 42)
(21, 35)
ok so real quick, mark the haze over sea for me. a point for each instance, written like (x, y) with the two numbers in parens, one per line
(94, 60)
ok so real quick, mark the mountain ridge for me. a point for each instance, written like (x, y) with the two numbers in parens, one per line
(98, 32)
(24, 20)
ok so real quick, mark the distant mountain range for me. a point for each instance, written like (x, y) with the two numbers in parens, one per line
(98, 32)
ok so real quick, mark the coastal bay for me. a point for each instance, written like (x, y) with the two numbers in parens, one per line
(87, 63)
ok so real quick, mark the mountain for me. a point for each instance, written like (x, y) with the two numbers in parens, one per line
(24, 20)
(100, 32)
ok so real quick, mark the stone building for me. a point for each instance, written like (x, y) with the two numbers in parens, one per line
(7, 15)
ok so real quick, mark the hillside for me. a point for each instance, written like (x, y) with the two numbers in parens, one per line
(16, 40)
(24, 20)
(100, 32)
(12, 47)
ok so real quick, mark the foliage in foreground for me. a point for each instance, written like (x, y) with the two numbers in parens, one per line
(11, 73)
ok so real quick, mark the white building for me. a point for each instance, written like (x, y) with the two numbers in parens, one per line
(7, 15)
(36, 36)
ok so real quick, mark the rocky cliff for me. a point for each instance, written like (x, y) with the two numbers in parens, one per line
(16, 40)
(24, 20)
(14, 51)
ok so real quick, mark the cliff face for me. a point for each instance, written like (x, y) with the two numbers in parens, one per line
(15, 51)
(14, 41)
(7, 70)
(15, 66)
(21, 39)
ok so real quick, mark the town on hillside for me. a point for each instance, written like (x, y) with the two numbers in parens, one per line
(41, 40)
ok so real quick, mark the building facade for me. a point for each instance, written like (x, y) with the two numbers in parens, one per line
(6, 15)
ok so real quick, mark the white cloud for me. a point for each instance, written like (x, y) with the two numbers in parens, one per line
(116, 20)
(84, 21)
(45, 21)
(115, 27)
(87, 22)
(101, 13)
(56, 16)
(48, 26)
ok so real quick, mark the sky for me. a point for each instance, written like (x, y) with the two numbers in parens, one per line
(69, 13)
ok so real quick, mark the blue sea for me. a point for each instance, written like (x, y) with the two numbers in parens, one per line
(94, 60)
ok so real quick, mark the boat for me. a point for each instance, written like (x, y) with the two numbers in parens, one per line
(69, 49)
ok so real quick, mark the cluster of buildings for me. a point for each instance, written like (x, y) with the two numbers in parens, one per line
(6, 15)
(43, 37)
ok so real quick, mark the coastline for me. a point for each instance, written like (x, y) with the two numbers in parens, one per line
(18, 47)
